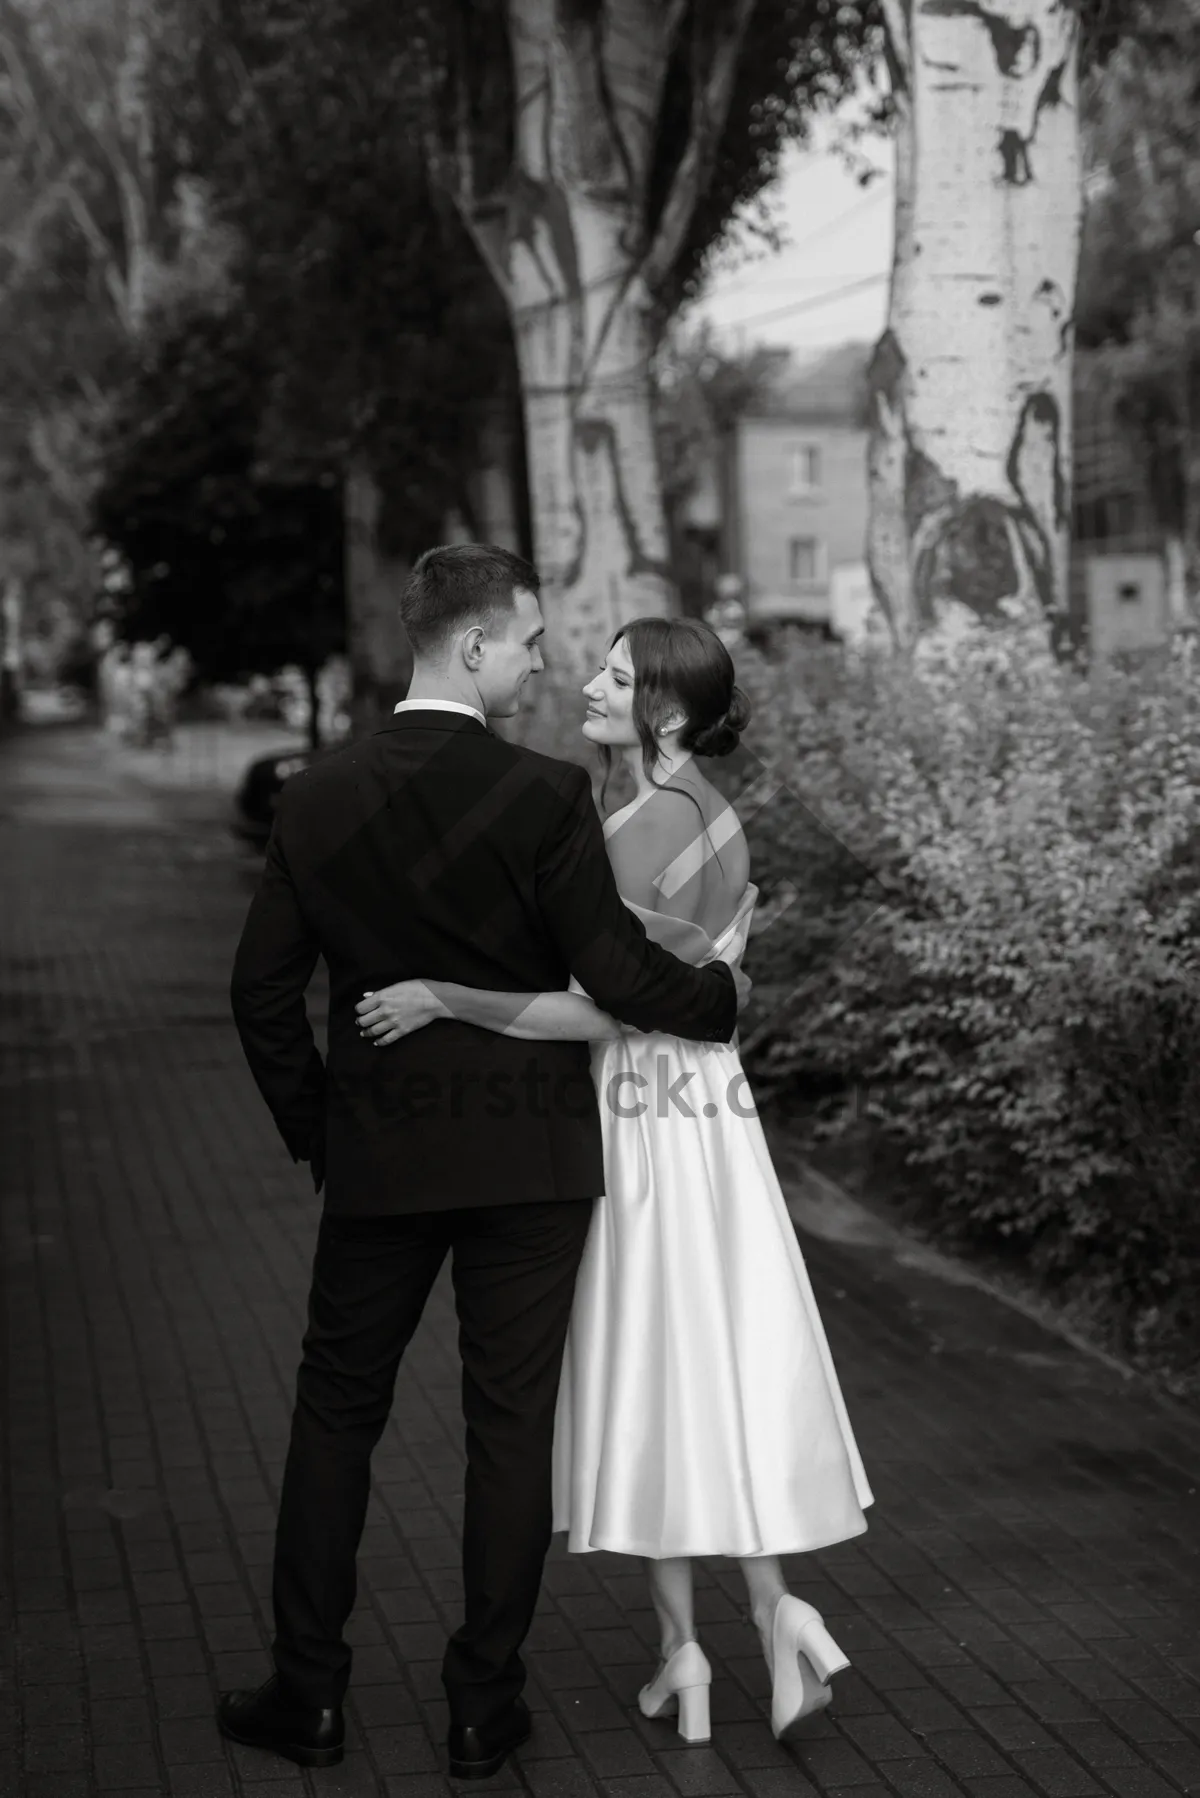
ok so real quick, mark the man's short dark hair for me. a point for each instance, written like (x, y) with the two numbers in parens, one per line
(457, 585)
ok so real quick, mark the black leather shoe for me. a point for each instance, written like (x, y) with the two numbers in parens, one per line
(270, 1719)
(477, 1753)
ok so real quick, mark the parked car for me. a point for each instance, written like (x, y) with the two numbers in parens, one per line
(259, 789)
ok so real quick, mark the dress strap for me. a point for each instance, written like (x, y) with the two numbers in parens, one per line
(688, 863)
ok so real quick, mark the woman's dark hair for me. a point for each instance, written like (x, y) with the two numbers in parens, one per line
(680, 664)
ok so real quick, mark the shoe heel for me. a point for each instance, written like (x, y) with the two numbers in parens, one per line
(693, 1714)
(822, 1652)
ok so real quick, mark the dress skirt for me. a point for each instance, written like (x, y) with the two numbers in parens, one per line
(699, 1412)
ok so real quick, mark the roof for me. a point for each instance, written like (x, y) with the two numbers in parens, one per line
(830, 385)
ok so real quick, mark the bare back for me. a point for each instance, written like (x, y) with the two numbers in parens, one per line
(681, 851)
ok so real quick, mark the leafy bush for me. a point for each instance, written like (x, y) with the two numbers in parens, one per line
(1017, 987)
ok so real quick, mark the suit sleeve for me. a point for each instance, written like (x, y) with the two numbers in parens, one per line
(606, 946)
(272, 967)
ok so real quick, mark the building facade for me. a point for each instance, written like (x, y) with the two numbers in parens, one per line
(1123, 598)
(798, 512)
(795, 490)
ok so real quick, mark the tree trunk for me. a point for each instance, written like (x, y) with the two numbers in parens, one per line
(494, 488)
(380, 660)
(311, 677)
(599, 526)
(1190, 458)
(11, 610)
(1175, 564)
(969, 460)
(566, 236)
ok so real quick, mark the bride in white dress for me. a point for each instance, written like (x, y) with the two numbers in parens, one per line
(699, 1412)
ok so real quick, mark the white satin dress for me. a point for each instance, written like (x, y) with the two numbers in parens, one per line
(699, 1412)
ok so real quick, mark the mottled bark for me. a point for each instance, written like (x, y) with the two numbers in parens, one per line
(600, 531)
(969, 460)
(567, 240)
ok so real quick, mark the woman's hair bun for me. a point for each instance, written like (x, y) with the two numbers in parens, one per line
(723, 735)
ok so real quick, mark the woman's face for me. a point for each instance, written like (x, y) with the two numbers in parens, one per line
(610, 701)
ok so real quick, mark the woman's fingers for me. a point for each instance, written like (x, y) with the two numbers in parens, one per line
(388, 1030)
(378, 1022)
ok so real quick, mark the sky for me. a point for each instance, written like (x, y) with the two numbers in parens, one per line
(835, 233)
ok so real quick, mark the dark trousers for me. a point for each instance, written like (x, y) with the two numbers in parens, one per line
(513, 1268)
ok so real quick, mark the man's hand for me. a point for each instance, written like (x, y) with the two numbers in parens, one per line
(396, 1011)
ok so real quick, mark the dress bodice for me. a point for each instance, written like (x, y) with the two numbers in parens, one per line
(690, 942)
(687, 940)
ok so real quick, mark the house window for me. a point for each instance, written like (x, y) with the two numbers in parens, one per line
(804, 469)
(804, 559)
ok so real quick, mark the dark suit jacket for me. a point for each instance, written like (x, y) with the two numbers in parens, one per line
(436, 849)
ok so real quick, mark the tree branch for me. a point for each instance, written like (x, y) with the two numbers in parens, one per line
(102, 250)
(897, 18)
(20, 238)
(28, 71)
(531, 27)
(61, 482)
(454, 170)
(710, 108)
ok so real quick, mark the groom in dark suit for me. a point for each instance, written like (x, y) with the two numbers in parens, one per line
(436, 849)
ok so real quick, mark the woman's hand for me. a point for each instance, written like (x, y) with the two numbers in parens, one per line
(395, 1011)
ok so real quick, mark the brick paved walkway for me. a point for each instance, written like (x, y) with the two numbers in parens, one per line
(1022, 1614)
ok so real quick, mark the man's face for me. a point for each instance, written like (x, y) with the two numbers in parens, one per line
(511, 654)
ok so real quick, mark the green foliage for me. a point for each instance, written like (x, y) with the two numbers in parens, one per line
(1106, 26)
(799, 58)
(244, 570)
(355, 321)
(382, 332)
(998, 941)
(1139, 265)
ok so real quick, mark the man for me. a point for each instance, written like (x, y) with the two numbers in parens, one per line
(436, 849)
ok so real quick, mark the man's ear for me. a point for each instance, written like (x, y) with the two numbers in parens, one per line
(471, 645)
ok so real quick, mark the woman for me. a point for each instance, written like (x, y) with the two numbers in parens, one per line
(699, 1412)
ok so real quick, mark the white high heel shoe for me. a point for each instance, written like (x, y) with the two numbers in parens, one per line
(682, 1681)
(805, 1658)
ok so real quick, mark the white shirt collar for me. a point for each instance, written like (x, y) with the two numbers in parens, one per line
(440, 705)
